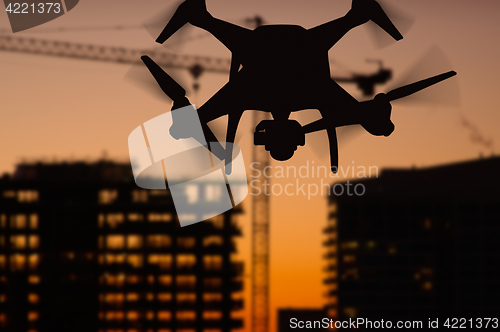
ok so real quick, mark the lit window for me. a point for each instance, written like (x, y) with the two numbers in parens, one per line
(114, 219)
(212, 282)
(186, 242)
(135, 217)
(186, 297)
(27, 196)
(34, 241)
(165, 280)
(164, 297)
(9, 194)
(185, 260)
(100, 220)
(132, 315)
(133, 279)
(134, 241)
(139, 196)
(158, 241)
(115, 298)
(115, 315)
(164, 315)
(34, 221)
(115, 242)
(151, 279)
(186, 315)
(427, 286)
(160, 217)
(349, 245)
(3, 221)
(33, 260)
(163, 261)
(213, 240)
(212, 262)
(186, 280)
(131, 297)
(33, 279)
(349, 259)
(107, 196)
(150, 315)
(115, 259)
(212, 315)
(18, 241)
(135, 260)
(33, 316)
(33, 298)
(18, 221)
(212, 297)
(17, 262)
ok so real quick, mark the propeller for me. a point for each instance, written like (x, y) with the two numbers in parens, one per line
(388, 35)
(179, 36)
(139, 75)
(431, 62)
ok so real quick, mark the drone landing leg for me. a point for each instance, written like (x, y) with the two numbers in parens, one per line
(232, 126)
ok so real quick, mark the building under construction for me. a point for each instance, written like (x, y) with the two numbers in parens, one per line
(82, 248)
(420, 243)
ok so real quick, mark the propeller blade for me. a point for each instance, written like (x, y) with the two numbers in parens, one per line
(169, 86)
(140, 76)
(410, 89)
(176, 34)
(401, 24)
(431, 62)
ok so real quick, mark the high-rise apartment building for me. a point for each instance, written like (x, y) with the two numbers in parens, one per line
(82, 248)
(419, 244)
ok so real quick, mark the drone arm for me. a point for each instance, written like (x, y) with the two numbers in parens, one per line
(361, 11)
(331, 32)
(231, 35)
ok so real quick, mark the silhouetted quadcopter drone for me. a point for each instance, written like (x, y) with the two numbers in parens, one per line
(284, 69)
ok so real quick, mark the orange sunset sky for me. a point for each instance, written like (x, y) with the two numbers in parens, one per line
(56, 108)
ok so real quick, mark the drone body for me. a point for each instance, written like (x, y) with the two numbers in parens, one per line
(284, 68)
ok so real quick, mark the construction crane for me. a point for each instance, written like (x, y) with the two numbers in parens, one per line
(260, 228)
(110, 54)
(196, 65)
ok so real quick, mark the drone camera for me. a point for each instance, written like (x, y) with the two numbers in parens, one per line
(280, 137)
